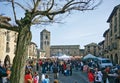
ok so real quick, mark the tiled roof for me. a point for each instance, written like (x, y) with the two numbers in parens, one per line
(113, 12)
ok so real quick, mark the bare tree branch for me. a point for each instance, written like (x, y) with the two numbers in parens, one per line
(51, 9)
(65, 6)
(15, 3)
(14, 10)
(51, 5)
(33, 2)
(28, 6)
(43, 22)
(20, 5)
(36, 5)
(69, 6)
(98, 4)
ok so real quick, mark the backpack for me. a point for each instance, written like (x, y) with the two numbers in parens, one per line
(44, 81)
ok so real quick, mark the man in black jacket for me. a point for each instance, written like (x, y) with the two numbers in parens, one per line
(2, 73)
(55, 71)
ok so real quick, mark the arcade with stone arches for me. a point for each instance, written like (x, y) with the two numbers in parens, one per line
(114, 58)
(7, 60)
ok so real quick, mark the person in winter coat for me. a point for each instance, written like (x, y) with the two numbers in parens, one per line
(55, 71)
(90, 76)
(98, 76)
(2, 74)
(46, 80)
(27, 77)
(36, 78)
(105, 73)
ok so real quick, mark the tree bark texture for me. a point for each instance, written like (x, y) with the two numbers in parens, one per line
(18, 68)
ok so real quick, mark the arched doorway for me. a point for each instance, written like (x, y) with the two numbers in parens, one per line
(7, 60)
(116, 59)
(111, 57)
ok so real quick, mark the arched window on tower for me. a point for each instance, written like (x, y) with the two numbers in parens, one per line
(48, 43)
(7, 47)
(44, 42)
(46, 37)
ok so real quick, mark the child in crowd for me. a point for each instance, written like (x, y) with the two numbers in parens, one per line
(46, 80)
(35, 77)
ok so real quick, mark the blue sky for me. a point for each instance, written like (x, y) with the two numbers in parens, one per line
(80, 28)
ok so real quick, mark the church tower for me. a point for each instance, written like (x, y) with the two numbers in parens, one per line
(45, 42)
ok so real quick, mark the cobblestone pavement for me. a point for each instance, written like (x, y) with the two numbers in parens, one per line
(78, 76)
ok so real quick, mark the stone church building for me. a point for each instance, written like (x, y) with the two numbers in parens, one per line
(56, 50)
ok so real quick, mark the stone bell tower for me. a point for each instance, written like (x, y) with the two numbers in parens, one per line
(45, 42)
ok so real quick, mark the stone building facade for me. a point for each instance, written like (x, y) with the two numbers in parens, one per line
(82, 53)
(47, 50)
(8, 41)
(7, 45)
(71, 50)
(32, 50)
(92, 48)
(101, 50)
(112, 36)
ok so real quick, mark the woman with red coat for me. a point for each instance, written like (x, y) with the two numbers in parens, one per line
(27, 77)
(90, 76)
(64, 68)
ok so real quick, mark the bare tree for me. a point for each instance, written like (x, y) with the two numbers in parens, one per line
(38, 12)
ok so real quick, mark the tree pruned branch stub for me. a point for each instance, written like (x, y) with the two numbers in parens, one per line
(13, 28)
(36, 5)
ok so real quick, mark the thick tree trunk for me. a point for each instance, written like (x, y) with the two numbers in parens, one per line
(18, 67)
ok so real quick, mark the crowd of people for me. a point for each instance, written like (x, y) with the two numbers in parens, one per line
(36, 71)
(104, 75)
(64, 67)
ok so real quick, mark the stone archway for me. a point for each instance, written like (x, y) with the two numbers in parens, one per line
(7, 60)
(116, 59)
(111, 57)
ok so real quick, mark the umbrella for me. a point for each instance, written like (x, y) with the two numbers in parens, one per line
(89, 56)
(65, 57)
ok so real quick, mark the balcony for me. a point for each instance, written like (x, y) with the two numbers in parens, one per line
(115, 45)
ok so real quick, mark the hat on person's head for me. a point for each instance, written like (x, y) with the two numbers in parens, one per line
(55, 81)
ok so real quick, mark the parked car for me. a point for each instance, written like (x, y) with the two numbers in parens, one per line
(104, 62)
